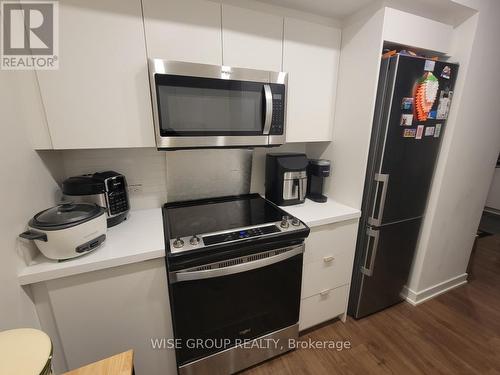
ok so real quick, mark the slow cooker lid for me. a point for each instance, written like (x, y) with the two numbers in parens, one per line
(66, 215)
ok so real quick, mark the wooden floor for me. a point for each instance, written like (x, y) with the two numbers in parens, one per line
(455, 333)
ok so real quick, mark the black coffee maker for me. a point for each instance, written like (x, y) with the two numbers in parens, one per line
(286, 178)
(317, 170)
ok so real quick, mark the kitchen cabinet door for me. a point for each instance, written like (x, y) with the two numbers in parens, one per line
(99, 97)
(251, 39)
(183, 30)
(327, 270)
(311, 57)
(97, 314)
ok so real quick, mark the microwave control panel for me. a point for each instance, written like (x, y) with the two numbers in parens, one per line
(278, 119)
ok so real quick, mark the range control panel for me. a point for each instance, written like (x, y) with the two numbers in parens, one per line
(198, 241)
(239, 235)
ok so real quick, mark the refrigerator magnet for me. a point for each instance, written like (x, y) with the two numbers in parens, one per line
(432, 115)
(407, 104)
(444, 104)
(429, 65)
(409, 133)
(406, 119)
(437, 131)
(429, 131)
(420, 132)
(446, 73)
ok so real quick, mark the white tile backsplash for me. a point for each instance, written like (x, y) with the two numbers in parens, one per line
(155, 177)
(141, 166)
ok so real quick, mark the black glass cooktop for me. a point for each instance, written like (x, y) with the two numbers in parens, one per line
(212, 215)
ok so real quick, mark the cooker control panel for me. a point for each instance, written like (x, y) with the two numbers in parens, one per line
(198, 241)
(239, 235)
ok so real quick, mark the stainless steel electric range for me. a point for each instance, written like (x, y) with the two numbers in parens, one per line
(234, 268)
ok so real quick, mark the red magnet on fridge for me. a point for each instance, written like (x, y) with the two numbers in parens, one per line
(425, 95)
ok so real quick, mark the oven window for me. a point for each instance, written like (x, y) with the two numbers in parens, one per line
(191, 106)
(240, 306)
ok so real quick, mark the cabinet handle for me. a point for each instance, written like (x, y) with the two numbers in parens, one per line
(328, 259)
(324, 292)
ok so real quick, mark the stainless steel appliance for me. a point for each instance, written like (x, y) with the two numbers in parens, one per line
(208, 106)
(286, 178)
(412, 105)
(234, 269)
(106, 189)
(317, 170)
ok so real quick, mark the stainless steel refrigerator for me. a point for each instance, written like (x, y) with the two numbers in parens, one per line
(413, 101)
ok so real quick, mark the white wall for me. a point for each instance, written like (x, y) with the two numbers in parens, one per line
(27, 187)
(466, 164)
(357, 87)
(415, 31)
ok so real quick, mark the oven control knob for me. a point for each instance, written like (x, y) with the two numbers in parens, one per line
(284, 222)
(178, 243)
(195, 240)
(295, 222)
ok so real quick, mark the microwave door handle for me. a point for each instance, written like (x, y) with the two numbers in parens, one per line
(268, 96)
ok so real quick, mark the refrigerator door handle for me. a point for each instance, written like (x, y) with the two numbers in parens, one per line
(384, 179)
(374, 234)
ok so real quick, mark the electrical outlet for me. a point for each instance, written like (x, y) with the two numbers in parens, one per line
(135, 189)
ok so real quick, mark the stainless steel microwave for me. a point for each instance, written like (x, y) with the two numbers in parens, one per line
(209, 106)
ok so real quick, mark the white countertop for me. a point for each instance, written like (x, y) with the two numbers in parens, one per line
(141, 238)
(137, 239)
(315, 214)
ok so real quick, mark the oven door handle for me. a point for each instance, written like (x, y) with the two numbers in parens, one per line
(179, 276)
(268, 96)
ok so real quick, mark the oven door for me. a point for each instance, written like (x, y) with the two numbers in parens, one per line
(225, 303)
(198, 105)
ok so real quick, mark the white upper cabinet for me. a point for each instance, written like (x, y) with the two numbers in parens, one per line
(183, 30)
(251, 39)
(99, 97)
(311, 57)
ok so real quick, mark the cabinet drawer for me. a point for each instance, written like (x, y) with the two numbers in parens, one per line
(322, 307)
(330, 272)
(331, 239)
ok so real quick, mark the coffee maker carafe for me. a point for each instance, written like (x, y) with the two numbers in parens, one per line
(286, 178)
(317, 170)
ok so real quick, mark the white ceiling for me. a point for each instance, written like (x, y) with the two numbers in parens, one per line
(447, 11)
(328, 8)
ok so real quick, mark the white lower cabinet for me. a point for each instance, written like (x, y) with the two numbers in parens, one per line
(97, 314)
(323, 306)
(326, 274)
(327, 270)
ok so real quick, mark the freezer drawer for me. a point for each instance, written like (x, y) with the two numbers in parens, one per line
(384, 268)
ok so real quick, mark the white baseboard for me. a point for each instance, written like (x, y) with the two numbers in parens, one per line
(416, 298)
(492, 210)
